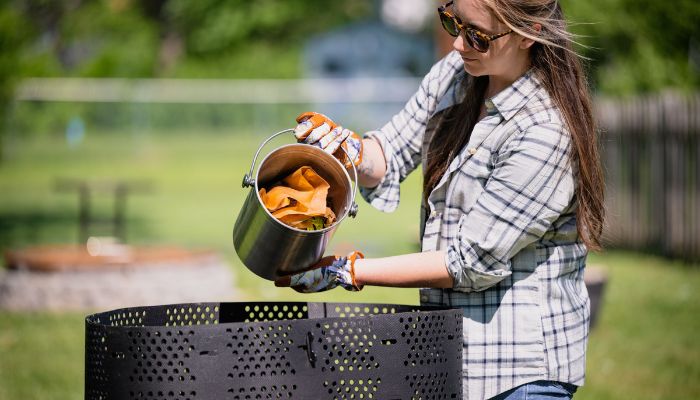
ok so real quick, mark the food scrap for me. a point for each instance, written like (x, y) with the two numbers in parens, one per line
(300, 200)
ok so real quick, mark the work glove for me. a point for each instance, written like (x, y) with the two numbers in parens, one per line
(329, 273)
(318, 130)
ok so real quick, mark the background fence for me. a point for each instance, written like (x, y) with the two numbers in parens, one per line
(650, 144)
(254, 105)
(651, 149)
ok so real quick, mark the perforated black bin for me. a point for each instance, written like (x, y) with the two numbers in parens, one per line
(274, 351)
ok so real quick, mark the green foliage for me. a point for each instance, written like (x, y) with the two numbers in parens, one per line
(634, 45)
(247, 60)
(245, 39)
(12, 34)
(126, 38)
(99, 43)
(211, 26)
(45, 119)
(639, 45)
(84, 38)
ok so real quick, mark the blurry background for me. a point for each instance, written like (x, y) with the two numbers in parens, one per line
(175, 96)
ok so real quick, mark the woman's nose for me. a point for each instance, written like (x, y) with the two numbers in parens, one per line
(458, 44)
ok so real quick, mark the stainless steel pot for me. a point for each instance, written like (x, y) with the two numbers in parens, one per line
(265, 245)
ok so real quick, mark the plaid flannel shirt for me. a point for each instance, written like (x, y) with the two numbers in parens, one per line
(505, 214)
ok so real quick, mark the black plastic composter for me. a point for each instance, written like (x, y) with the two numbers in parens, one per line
(274, 351)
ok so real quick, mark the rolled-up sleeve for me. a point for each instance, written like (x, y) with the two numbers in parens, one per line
(402, 137)
(532, 184)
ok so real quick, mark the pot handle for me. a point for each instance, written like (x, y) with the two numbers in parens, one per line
(248, 180)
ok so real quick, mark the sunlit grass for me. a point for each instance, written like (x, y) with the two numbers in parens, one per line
(645, 346)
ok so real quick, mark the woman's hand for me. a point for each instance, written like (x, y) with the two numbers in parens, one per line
(318, 130)
(329, 273)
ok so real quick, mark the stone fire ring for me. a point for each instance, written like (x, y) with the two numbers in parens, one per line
(67, 277)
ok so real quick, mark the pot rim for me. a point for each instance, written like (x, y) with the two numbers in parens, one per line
(269, 214)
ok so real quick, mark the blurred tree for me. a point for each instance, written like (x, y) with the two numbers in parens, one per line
(634, 45)
(248, 39)
(141, 38)
(639, 45)
(212, 26)
(87, 38)
(12, 34)
(115, 41)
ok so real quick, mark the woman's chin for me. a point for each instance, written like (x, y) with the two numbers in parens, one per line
(473, 70)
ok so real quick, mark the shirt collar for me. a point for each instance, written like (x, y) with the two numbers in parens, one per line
(511, 99)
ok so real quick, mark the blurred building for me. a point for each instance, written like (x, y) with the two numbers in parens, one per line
(368, 49)
(392, 45)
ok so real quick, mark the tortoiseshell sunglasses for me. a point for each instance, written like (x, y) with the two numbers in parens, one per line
(478, 40)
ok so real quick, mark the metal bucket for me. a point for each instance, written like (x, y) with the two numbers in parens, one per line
(268, 247)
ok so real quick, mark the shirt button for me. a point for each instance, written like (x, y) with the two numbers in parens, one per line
(423, 298)
(433, 214)
(472, 150)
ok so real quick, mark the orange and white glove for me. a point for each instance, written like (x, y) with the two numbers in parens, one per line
(318, 130)
(329, 273)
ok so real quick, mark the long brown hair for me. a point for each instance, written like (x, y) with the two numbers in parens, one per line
(560, 71)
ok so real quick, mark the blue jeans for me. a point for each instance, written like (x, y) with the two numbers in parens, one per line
(539, 390)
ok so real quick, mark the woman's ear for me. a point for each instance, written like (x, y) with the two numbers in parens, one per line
(526, 43)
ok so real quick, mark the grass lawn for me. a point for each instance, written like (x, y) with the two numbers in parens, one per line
(644, 346)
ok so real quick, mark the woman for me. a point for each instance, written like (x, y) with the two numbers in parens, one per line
(513, 196)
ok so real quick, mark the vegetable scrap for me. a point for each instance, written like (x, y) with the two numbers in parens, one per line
(300, 200)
